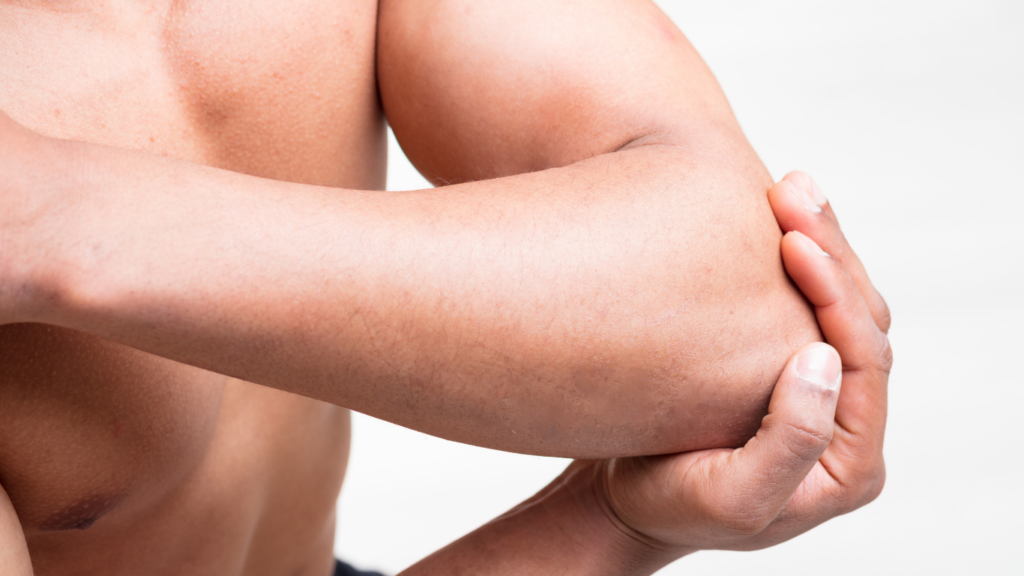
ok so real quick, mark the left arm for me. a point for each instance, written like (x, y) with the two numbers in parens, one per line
(817, 455)
(570, 312)
(603, 281)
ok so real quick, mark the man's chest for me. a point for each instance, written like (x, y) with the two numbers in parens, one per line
(283, 90)
(122, 463)
(87, 426)
(279, 89)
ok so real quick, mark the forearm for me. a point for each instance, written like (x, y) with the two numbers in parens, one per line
(561, 530)
(631, 303)
(634, 515)
(14, 556)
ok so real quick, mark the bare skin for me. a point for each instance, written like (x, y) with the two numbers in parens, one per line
(818, 453)
(628, 300)
(146, 449)
(611, 328)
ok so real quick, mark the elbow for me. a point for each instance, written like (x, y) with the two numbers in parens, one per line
(697, 380)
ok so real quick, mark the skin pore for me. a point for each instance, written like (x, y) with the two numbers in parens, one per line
(189, 209)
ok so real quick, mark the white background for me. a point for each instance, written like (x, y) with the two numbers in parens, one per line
(910, 115)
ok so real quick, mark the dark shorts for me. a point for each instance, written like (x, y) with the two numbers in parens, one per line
(342, 569)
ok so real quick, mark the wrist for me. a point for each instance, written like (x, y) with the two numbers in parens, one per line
(563, 529)
(623, 549)
(69, 246)
(38, 173)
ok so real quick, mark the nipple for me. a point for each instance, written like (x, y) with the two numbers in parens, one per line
(82, 514)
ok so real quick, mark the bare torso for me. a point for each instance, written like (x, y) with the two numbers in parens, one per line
(119, 462)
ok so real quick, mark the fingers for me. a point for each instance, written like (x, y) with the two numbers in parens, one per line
(855, 459)
(799, 205)
(751, 486)
(851, 471)
(818, 453)
(842, 314)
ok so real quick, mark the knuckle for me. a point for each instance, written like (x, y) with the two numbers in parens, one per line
(743, 524)
(807, 440)
(884, 321)
(882, 313)
(732, 516)
(748, 527)
(864, 489)
(847, 500)
(873, 485)
(883, 362)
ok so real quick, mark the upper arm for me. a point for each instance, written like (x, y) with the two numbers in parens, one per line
(477, 89)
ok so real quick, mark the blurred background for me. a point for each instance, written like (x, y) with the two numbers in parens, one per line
(910, 115)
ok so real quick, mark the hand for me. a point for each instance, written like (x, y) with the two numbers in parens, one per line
(818, 453)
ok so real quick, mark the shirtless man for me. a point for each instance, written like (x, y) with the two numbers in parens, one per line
(618, 293)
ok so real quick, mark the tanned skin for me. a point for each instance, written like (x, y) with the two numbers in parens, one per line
(601, 279)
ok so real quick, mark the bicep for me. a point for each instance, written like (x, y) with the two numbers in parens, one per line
(479, 89)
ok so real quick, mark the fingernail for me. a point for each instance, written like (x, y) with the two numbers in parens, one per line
(815, 192)
(803, 197)
(821, 366)
(814, 246)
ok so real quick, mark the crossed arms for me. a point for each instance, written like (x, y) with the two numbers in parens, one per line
(817, 454)
(629, 299)
(602, 280)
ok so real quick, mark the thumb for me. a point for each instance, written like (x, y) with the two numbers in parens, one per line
(758, 479)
